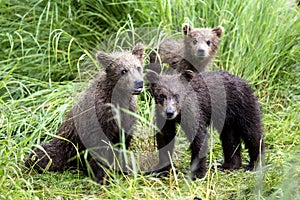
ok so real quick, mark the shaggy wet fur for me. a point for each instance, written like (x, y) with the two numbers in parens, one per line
(194, 102)
(195, 52)
(95, 122)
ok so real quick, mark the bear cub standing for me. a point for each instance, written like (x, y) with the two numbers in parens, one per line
(194, 102)
(195, 52)
(92, 122)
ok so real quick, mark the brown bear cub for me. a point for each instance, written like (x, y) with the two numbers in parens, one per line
(195, 52)
(96, 122)
(195, 101)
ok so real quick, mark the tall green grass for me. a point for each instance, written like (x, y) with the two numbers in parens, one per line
(47, 56)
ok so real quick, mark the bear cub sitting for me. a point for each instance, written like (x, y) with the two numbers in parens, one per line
(92, 123)
(195, 101)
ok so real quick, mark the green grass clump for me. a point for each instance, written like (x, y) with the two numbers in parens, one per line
(47, 57)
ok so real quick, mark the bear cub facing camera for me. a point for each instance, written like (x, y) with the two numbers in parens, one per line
(92, 123)
(195, 52)
(195, 101)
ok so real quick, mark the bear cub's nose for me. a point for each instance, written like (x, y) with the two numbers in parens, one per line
(138, 84)
(201, 52)
(169, 112)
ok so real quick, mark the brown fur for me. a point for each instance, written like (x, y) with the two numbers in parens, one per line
(92, 123)
(195, 52)
(194, 102)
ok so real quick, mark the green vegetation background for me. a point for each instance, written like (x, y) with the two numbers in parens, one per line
(47, 55)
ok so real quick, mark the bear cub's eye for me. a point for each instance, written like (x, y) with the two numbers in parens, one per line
(176, 96)
(208, 42)
(124, 71)
(161, 96)
(139, 68)
(195, 41)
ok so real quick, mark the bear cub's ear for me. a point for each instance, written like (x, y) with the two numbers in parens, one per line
(138, 51)
(188, 74)
(186, 28)
(104, 59)
(152, 76)
(218, 31)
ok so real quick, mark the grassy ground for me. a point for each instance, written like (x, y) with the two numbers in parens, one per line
(47, 56)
